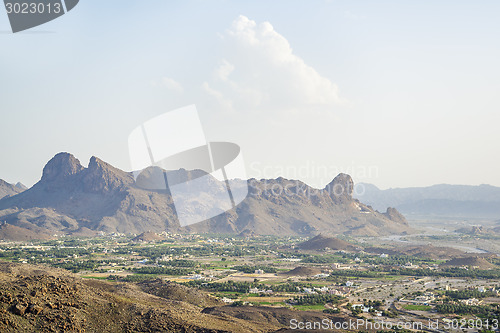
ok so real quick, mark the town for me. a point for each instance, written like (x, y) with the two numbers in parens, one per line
(353, 281)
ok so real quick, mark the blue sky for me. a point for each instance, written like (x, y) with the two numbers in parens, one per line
(396, 93)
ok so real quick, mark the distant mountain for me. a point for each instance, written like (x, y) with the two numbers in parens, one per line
(70, 198)
(7, 189)
(466, 201)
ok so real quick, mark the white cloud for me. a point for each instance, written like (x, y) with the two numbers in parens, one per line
(224, 70)
(218, 96)
(262, 73)
(172, 85)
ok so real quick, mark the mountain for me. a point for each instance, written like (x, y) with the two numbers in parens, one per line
(7, 189)
(321, 242)
(100, 197)
(70, 198)
(466, 201)
(290, 207)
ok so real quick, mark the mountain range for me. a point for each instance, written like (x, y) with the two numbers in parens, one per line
(462, 201)
(73, 199)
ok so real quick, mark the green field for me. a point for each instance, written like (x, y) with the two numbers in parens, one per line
(319, 307)
(413, 307)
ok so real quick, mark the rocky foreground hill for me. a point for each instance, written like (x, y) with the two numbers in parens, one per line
(72, 199)
(42, 299)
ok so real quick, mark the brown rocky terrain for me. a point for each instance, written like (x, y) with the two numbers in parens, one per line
(320, 243)
(278, 317)
(472, 262)
(17, 234)
(247, 234)
(303, 271)
(42, 299)
(70, 198)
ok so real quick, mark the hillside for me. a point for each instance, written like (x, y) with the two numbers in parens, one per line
(320, 243)
(100, 197)
(13, 233)
(481, 201)
(303, 271)
(42, 299)
(473, 262)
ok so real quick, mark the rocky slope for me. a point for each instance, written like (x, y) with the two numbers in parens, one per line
(70, 198)
(42, 299)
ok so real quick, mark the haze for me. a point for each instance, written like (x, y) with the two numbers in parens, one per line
(395, 93)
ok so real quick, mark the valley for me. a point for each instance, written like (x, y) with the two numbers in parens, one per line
(272, 282)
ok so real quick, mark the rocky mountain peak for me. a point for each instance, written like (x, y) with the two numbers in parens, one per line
(61, 166)
(98, 165)
(340, 188)
(103, 177)
(394, 215)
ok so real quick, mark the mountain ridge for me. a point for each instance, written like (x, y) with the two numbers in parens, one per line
(100, 197)
(469, 201)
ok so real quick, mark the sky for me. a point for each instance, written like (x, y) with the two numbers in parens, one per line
(395, 93)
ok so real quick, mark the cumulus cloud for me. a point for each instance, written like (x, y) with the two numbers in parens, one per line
(261, 72)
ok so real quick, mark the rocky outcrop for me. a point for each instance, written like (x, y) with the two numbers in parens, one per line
(393, 215)
(340, 189)
(61, 167)
(101, 177)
